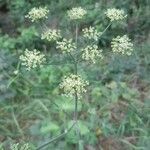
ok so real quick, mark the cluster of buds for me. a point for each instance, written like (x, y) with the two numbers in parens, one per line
(66, 46)
(115, 14)
(37, 13)
(18, 146)
(51, 35)
(91, 53)
(91, 33)
(122, 45)
(32, 59)
(73, 84)
(76, 13)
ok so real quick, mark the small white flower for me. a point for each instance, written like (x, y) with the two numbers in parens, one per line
(16, 72)
(91, 33)
(14, 146)
(92, 111)
(122, 45)
(18, 146)
(32, 59)
(73, 83)
(76, 13)
(115, 14)
(37, 13)
(91, 53)
(66, 131)
(51, 35)
(66, 45)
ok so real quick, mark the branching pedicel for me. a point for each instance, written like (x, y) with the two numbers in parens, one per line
(73, 85)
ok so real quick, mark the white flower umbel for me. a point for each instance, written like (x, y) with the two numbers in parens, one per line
(66, 45)
(32, 59)
(92, 53)
(51, 35)
(18, 146)
(37, 13)
(115, 14)
(91, 33)
(76, 13)
(122, 45)
(73, 83)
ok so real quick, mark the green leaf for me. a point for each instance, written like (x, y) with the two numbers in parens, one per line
(67, 104)
(49, 127)
(80, 128)
(83, 128)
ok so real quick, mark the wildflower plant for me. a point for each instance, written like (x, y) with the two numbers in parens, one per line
(74, 85)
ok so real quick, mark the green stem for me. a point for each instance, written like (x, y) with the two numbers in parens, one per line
(16, 123)
(76, 107)
(76, 73)
(76, 68)
(105, 29)
(76, 39)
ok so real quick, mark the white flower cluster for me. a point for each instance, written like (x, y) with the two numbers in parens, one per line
(91, 33)
(73, 83)
(37, 13)
(115, 14)
(122, 45)
(51, 35)
(91, 53)
(76, 13)
(18, 146)
(32, 59)
(66, 45)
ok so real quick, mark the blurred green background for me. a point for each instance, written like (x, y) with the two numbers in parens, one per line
(114, 115)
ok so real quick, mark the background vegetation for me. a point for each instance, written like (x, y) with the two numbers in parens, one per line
(114, 115)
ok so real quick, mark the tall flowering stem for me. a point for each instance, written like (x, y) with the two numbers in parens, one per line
(73, 85)
(76, 72)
